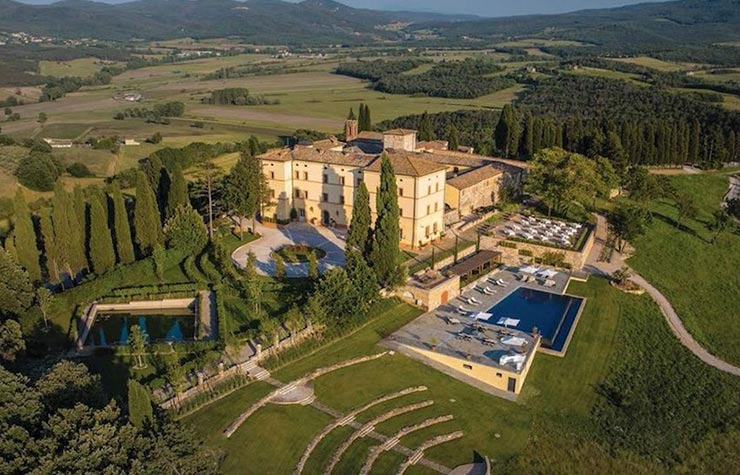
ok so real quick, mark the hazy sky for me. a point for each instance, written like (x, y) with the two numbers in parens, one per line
(477, 7)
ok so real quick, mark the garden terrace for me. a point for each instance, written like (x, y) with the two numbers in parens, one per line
(479, 263)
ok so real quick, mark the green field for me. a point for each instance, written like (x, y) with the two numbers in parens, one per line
(82, 67)
(654, 63)
(699, 278)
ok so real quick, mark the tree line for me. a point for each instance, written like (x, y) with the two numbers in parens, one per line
(465, 79)
(237, 96)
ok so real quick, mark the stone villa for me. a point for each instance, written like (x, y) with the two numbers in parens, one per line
(315, 182)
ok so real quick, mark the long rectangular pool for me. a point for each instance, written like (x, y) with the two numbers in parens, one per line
(552, 314)
(112, 328)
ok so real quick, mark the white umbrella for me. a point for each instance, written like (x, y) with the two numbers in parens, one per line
(529, 269)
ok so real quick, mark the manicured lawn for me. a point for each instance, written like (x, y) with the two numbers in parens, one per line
(556, 386)
(700, 279)
(299, 253)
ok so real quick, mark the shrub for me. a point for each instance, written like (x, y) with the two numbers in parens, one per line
(79, 170)
(38, 171)
(185, 231)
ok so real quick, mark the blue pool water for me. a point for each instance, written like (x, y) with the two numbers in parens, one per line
(113, 328)
(552, 314)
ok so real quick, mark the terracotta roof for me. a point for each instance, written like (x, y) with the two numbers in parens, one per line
(330, 156)
(452, 157)
(432, 144)
(408, 164)
(277, 155)
(473, 177)
(399, 132)
(368, 135)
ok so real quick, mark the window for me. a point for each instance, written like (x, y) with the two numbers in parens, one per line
(272, 193)
(436, 187)
(305, 194)
(499, 375)
(341, 199)
(341, 180)
(428, 209)
(400, 212)
(429, 190)
(272, 175)
(400, 192)
(325, 197)
(434, 228)
(467, 366)
(297, 193)
(305, 176)
(326, 178)
(359, 180)
(400, 233)
(297, 175)
(436, 206)
(426, 231)
(301, 212)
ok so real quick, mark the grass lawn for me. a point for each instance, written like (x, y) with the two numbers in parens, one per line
(82, 67)
(654, 63)
(556, 386)
(699, 278)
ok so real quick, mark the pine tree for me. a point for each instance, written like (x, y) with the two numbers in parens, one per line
(24, 237)
(453, 139)
(385, 255)
(139, 404)
(426, 133)
(360, 233)
(121, 226)
(177, 194)
(243, 188)
(147, 223)
(102, 256)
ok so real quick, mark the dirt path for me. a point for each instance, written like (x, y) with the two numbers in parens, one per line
(596, 267)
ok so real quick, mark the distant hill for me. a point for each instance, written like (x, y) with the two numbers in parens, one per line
(625, 30)
(259, 21)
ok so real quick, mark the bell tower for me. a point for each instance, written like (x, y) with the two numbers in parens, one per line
(350, 129)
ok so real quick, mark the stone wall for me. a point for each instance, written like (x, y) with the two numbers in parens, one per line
(431, 298)
(511, 256)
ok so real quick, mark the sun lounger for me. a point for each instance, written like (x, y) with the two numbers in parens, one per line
(462, 310)
(488, 291)
(453, 320)
(473, 301)
(502, 282)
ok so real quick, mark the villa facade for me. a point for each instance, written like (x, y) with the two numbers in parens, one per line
(316, 182)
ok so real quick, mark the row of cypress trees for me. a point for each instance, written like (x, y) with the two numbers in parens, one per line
(91, 230)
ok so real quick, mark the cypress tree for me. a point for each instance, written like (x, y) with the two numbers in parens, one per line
(360, 234)
(24, 237)
(78, 198)
(528, 142)
(121, 226)
(54, 266)
(177, 194)
(147, 222)
(368, 119)
(694, 141)
(61, 210)
(361, 118)
(351, 115)
(453, 139)
(363, 280)
(102, 256)
(152, 168)
(385, 255)
(425, 128)
(139, 404)
(9, 246)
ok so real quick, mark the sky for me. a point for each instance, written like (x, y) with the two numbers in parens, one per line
(488, 8)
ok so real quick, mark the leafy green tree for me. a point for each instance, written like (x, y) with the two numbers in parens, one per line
(243, 189)
(252, 285)
(628, 222)
(11, 340)
(360, 231)
(102, 255)
(121, 226)
(68, 383)
(685, 207)
(16, 291)
(24, 237)
(44, 299)
(139, 404)
(721, 222)
(177, 192)
(338, 296)
(137, 345)
(147, 222)
(385, 255)
(313, 266)
(38, 171)
(185, 230)
(269, 331)
(159, 257)
(279, 267)
(174, 374)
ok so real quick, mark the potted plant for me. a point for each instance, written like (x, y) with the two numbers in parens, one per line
(433, 343)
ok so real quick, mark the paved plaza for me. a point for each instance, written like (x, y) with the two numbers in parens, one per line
(329, 240)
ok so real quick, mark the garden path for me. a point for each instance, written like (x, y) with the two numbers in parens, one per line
(596, 267)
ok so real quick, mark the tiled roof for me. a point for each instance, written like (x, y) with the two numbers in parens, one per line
(432, 145)
(473, 177)
(408, 164)
(368, 135)
(399, 132)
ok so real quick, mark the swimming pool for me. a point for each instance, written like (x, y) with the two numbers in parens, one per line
(552, 314)
(112, 328)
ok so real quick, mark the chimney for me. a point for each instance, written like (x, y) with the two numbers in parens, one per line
(350, 129)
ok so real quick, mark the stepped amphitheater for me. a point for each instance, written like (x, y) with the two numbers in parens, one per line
(383, 435)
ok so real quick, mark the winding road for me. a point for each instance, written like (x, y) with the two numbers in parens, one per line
(596, 267)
